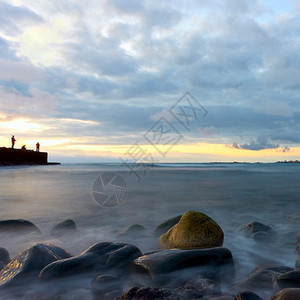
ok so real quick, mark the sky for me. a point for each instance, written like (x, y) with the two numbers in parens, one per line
(99, 81)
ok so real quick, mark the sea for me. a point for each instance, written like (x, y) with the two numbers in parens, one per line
(232, 194)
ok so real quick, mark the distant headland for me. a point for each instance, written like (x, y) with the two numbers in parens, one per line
(14, 157)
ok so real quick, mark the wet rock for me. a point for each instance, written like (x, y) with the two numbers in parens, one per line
(251, 228)
(134, 230)
(18, 226)
(169, 266)
(290, 279)
(287, 294)
(105, 257)
(4, 255)
(262, 279)
(64, 227)
(194, 230)
(26, 266)
(247, 295)
(165, 226)
(103, 284)
(271, 267)
(146, 293)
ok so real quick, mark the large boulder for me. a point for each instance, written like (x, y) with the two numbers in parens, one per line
(165, 226)
(194, 230)
(101, 258)
(287, 294)
(26, 266)
(18, 226)
(170, 266)
(67, 226)
(289, 279)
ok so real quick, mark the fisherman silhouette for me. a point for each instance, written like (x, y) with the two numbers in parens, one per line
(13, 140)
(37, 147)
(23, 147)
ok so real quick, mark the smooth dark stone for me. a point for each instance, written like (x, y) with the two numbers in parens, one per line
(287, 294)
(162, 265)
(4, 255)
(25, 267)
(146, 293)
(165, 226)
(105, 257)
(64, 227)
(247, 295)
(18, 225)
(253, 227)
(289, 280)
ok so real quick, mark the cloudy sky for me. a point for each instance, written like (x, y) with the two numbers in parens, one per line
(89, 79)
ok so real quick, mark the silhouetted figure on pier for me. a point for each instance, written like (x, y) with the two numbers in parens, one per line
(13, 140)
(37, 147)
(23, 147)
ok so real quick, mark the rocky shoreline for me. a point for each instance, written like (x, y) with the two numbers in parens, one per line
(190, 262)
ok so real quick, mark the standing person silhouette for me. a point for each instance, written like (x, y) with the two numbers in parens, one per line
(37, 147)
(13, 140)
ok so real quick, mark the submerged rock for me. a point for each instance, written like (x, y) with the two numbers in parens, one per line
(133, 230)
(194, 230)
(25, 267)
(104, 284)
(4, 255)
(252, 228)
(290, 279)
(146, 293)
(165, 226)
(64, 227)
(105, 257)
(287, 294)
(17, 225)
(168, 266)
(247, 295)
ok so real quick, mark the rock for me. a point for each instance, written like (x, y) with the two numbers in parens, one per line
(290, 279)
(146, 293)
(18, 225)
(194, 230)
(168, 266)
(134, 230)
(287, 294)
(4, 256)
(271, 267)
(247, 295)
(249, 229)
(262, 237)
(207, 286)
(105, 257)
(165, 226)
(64, 227)
(103, 284)
(25, 267)
(262, 279)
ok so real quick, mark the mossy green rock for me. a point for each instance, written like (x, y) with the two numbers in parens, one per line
(194, 230)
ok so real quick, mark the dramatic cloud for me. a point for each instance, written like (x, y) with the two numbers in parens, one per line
(115, 66)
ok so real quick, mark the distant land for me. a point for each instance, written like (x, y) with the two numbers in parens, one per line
(14, 157)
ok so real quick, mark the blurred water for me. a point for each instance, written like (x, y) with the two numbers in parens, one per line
(232, 194)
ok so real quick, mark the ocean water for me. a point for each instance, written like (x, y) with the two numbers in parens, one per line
(231, 194)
